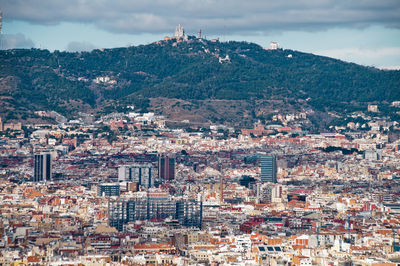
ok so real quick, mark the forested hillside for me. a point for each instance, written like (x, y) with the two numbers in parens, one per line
(109, 79)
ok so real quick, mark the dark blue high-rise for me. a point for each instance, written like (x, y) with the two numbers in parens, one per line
(268, 168)
(42, 167)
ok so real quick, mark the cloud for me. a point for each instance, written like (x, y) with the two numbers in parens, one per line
(216, 16)
(11, 41)
(386, 57)
(80, 46)
(390, 67)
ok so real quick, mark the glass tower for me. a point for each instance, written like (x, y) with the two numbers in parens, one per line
(268, 168)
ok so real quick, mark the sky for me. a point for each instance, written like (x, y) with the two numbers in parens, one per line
(366, 32)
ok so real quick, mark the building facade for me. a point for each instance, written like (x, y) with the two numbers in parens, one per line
(268, 168)
(187, 212)
(42, 167)
(166, 168)
(143, 174)
(108, 190)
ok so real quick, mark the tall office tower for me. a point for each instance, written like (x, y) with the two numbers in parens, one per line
(143, 174)
(268, 168)
(166, 168)
(42, 167)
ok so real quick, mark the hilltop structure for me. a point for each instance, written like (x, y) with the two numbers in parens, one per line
(179, 34)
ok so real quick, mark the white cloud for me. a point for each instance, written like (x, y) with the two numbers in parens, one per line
(232, 16)
(361, 52)
(80, 46)
(11, 41)
(390, 67)
(387, 56)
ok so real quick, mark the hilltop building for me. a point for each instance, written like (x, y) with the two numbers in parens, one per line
(179, 32)
(373, 108)
(10, 126)
(274, 46)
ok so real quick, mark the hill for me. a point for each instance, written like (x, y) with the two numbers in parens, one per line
(200, 77)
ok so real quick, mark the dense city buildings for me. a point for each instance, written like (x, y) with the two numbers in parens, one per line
(198, 195)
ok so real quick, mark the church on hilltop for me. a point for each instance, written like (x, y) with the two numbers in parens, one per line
(179, 34)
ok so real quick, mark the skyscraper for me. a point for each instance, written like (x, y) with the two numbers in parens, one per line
(166, 168)
(42, 167)
(143, 174)
(268, 168)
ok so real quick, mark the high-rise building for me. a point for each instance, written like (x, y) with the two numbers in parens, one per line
(42, 167)
(143, 174)
(247, 181)
(166, 168)
(187, 212)
(268, 168)
(269, 192)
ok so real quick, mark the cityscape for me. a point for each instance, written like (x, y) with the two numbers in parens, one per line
(184, 195)
(195, 150)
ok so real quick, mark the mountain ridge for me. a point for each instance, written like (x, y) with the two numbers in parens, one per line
(195, 70)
